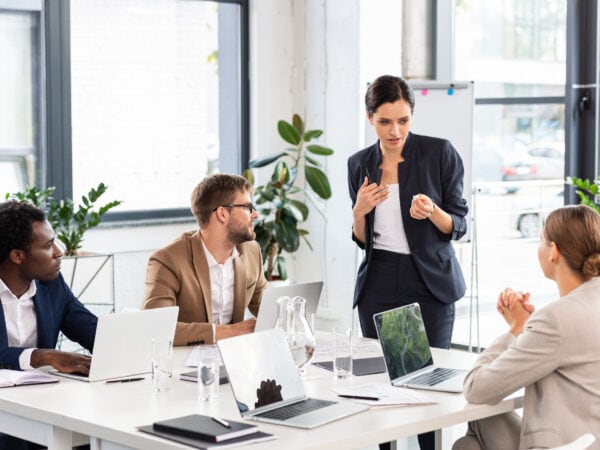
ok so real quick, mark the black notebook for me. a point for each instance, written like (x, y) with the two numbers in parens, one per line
(259, 436)
(206, 428)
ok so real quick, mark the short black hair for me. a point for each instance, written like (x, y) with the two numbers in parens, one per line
(16, 230)
(388, 89)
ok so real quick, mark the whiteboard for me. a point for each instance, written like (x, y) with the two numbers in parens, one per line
(444, 109)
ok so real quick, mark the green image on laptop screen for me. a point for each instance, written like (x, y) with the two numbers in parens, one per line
(404, 340)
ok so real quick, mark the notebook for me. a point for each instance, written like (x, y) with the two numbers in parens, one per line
(267, 314)
(266, 384)
(122, 346)
(407, 355)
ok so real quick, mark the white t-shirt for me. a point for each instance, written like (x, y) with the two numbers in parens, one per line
(389, 231)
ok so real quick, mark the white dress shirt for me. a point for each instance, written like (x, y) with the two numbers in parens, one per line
(21, 321)
(221, 287)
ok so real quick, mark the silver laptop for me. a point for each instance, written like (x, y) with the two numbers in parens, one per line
(123, 342)
(407, 355)
(267, 387)
(267, 314)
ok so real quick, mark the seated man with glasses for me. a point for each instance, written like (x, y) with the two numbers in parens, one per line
(214, 273)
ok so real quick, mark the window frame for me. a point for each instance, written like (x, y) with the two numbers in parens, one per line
(58, 167)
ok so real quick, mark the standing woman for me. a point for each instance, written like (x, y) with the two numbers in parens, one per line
(406, 192)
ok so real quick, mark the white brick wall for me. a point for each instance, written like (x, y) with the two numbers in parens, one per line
(143, 96)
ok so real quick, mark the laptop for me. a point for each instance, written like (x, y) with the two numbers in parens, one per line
(122, 346)
(407, 355)
(267, 314)
(267, 386)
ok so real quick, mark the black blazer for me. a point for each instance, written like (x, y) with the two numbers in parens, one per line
(56, 309)
(433, 167)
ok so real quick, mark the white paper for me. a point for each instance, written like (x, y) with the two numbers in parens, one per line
(386, 393)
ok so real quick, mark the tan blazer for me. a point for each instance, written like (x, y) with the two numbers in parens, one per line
(178, 275)
(557, 360)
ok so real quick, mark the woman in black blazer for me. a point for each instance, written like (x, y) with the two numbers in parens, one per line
(406, 193)
(407, 206)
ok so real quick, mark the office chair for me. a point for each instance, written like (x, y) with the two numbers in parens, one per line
(581, 443)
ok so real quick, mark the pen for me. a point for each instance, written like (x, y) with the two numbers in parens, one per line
(125, 380)
(358, 397)
(221, 421)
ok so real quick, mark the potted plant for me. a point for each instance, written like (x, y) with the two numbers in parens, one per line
(281, 207)
(70, 222)
(588, 191)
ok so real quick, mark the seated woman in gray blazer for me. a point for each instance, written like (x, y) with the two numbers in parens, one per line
(554, 353)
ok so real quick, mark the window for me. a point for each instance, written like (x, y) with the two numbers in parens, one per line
(516, 54)
(147, 97)
(19, 91)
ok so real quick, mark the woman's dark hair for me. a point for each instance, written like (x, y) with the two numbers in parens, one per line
(575, 230)
(16, 230)
(388, 89)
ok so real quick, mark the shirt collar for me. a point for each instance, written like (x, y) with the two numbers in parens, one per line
(5, 291)
(210, 259)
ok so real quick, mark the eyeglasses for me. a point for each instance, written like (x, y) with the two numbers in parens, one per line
(249, 207)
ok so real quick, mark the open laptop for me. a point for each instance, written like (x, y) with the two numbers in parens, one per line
(123, 342)
(266, 384)
(267, 314)
(407, 355)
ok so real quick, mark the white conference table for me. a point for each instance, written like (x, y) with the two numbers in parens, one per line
(109, 413)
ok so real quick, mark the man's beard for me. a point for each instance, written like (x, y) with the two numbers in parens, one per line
(240, 234)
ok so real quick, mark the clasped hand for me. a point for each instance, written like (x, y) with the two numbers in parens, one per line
(421, 207)
(515, 309)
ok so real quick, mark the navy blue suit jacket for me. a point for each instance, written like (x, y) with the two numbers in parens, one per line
(433, 167)
(56, 309)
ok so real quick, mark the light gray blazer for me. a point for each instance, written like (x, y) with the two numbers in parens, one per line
(557, 360)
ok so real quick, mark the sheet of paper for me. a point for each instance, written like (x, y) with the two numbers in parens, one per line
(386, 393)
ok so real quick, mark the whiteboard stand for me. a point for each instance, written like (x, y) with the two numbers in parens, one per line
(474, 288)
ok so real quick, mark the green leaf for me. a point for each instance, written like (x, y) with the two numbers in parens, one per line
(319, 150)
(288, 133)
(312, 134)
(298, 124)
(318, 181)
(287, 236)
(248, 175)
(300, 206)
(293, 210)
(314, 162)
(281, 270)
(256, 163)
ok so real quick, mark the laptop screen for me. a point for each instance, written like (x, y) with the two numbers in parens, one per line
(260, 368)
(403, 340)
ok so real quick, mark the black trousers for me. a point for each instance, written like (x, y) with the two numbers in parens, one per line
(393, 280)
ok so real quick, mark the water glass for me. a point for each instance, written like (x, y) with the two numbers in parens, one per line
(162, 364)
(208, 373)
(342, 352)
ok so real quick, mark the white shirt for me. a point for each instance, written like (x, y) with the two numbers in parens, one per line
(21, 321)
(221, 287)
(388, 233)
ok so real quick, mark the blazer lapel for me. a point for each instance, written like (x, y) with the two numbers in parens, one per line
(3, 333)
(239, 288)
(202, 272)
(44, 317)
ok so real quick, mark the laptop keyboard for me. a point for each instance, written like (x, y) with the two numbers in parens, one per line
(434, 377)
(296, 409)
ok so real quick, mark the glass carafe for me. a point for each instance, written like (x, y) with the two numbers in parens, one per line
(291, 318)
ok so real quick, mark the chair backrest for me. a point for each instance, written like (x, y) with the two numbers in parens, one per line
(581, 443)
